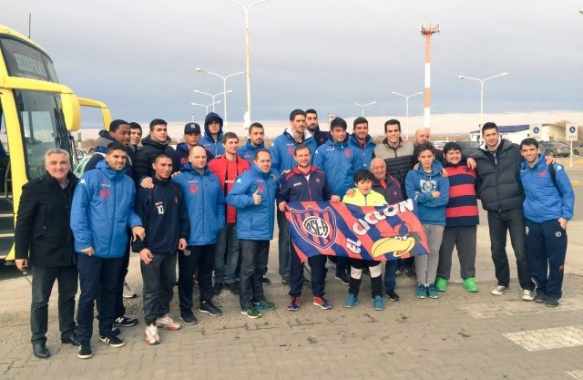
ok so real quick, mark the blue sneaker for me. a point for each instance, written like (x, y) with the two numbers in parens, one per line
(294, 304)
(432, 291)
(421, 291)
(351, 301)
(378, 303)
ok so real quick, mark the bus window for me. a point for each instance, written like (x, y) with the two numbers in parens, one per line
(43, 128)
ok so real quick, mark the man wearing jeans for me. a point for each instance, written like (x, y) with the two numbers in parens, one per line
(502, 196)
(103, 207)
(163, 213)
(227, 168)
(254, 196)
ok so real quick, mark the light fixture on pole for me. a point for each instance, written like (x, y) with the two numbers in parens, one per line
(206, 107)
(482, 81)
(213, 96)
(406, 105)
(362, 106)
(224, 78)
(247, 54)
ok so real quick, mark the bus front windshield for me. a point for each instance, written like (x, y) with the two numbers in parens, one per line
(43, 128)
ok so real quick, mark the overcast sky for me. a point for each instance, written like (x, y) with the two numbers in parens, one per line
(139, 57)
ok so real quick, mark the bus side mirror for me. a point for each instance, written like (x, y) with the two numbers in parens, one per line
(71, 111)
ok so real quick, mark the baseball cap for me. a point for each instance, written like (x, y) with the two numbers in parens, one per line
(191, 127)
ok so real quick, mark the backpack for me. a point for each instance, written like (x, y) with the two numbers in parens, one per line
(553, 173)
(80, 169)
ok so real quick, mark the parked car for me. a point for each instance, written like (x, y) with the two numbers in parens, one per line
(468, 147)
(556, 149)
(578, 150)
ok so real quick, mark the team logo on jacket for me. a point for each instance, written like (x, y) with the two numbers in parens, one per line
(348, 153)
(104, 192)
(316, 226)
(260, 188)
(290, 150)
(193, 188)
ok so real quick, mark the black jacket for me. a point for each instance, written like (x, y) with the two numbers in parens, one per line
(102, 143)
(145, 156)
(320, 136)
(164, 217)
(42, 225)
(391, 190)
(499, 185)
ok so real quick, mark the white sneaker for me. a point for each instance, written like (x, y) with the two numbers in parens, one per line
(527, 295)
(167, 323)
(499, 290)
(127, 291)
(152, 336)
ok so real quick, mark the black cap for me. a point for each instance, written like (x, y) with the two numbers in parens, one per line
(191, 127)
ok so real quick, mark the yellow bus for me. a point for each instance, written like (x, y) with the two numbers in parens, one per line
(37, 113)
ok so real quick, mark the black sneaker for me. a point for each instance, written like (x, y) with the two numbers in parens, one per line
(125, 321)
(342, 276)
(285, 281)
(540, 298)
(112, 341)
(233, 287)
(390, 294)
(85, 351)
(266, 281)
(188, 318)
(551, 302)
(115, 330)
(72, 340)
(209, 308)
(218, 288)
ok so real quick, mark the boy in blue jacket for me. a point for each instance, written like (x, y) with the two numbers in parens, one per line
(548, 206)
(254, 196)
(103, 207)
(431, 192)
(205, 203)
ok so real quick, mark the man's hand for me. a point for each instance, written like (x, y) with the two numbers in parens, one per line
(146, 256)
(175, 174)
(472, 164)
(88, 251)
(444, 173)
(147, 183)
(21, 264)
(550, 160)
(138, 232)
(336, 198)
(256, 197)
(349, 193)
(435, 194)
(281, 206)
(182, 244)
(563, 223)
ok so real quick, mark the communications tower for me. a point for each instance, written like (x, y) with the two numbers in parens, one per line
(427, 30)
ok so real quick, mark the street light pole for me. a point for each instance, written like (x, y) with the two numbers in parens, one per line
(224, 78)
(247, 53)
(213, 96)
(363, 106)
(205, 106)
(406, 104)
(482, 81)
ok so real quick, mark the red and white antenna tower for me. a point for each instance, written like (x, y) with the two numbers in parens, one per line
(427, 30)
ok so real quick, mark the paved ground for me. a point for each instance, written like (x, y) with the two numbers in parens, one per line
(459, 336)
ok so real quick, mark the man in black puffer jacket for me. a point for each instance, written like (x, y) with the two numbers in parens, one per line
(502, 196)
(155, 143)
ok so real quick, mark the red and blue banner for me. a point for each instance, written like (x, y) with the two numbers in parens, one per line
(360, 232)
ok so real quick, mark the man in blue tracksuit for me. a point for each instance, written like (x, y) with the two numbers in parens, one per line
(282, 157)
(305, 183)
(102, 209)
(338, 161)
(361, 144)
(254, 195)
(164, 215)
(213, 134)
(548, 206)
(205, 202)
(254, 142)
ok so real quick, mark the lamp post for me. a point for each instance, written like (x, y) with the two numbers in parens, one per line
(362, 106)
(247, 54)
(206, 107)
(224, 78)
(213, 96)
(482, 81)
(406, 105)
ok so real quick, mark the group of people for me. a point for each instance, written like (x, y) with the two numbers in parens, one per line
(209, 208)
